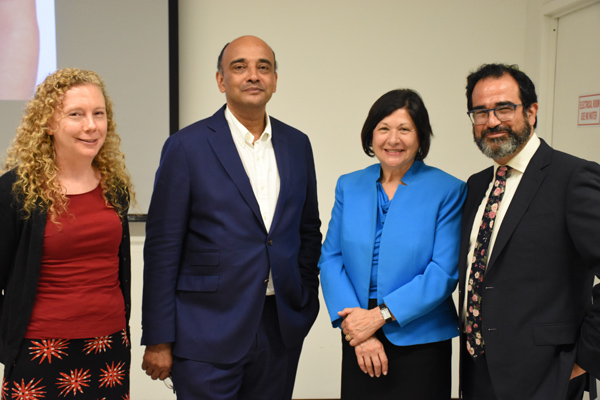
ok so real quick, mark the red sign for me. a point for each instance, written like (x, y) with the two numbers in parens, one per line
(589, 110)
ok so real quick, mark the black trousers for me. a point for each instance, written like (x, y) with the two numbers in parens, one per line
(476, 383)
(418, 372)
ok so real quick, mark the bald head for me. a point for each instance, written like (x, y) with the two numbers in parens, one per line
(245, 41)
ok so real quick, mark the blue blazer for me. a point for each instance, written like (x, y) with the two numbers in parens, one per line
(418, 256)
(208, 254)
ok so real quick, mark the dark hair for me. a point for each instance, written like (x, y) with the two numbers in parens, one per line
(220, 59)
(386, 105)
(526, 87)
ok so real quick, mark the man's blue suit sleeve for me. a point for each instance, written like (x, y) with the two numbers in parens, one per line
(310, 230)
(165, 233)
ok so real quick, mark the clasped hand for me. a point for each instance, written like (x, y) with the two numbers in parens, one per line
(360, 324)
(371, 357)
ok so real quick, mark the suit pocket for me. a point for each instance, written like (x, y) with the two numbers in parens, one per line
(556, 334)
(203, 259)
(193, 283)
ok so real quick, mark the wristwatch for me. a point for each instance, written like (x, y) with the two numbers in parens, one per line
(385, 313)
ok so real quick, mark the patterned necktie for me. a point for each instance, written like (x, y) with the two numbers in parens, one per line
(480, 258)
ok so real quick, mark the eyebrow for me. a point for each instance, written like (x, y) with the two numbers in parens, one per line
(243, 60)
(498, 104)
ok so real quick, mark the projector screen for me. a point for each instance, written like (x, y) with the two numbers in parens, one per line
(125, 42)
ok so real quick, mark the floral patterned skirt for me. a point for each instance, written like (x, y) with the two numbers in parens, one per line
(82, 369)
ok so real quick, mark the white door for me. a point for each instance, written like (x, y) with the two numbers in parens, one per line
(576, 127)
(576, 123)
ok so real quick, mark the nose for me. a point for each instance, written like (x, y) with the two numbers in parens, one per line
(492, 121)
(89, 123)
(394, 136)
(252, 73)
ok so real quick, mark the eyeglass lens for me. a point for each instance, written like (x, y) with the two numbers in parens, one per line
(503, 113)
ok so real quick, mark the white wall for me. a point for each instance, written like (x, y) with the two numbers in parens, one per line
(336, 58)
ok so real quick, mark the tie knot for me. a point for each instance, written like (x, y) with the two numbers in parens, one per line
(503, 171)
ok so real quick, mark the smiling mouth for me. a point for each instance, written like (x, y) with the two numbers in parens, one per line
(496, 131)
(390, 151)
(89, 141)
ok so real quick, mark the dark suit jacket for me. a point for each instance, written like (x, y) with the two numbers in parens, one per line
(207, 252)
(537, 313)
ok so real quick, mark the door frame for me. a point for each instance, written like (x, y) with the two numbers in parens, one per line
(550, 13)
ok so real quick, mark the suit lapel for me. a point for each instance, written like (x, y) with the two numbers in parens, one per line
(222, 144)
(530, 183)
(281, 148)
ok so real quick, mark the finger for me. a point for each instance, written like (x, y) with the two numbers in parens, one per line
(157, 374)
(384, 362)
(361, 364)
(344, 312)
(369, 365)
(376, 366)
(164, 375)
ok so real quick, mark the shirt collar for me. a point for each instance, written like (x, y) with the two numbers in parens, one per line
(521, 160)
(241, 134)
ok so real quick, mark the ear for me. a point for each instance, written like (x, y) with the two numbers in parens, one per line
(275, 83)
(532, 113)
(52, 126)
(221, 81)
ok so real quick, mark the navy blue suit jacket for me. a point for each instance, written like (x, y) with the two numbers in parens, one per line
(208, 254)
(538, 318)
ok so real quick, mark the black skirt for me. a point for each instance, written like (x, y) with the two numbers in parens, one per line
(417, 372)
(94, 368)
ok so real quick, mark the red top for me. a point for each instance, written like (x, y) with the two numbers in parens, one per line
(78, 294)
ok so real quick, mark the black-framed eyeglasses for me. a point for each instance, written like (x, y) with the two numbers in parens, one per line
(503, 113)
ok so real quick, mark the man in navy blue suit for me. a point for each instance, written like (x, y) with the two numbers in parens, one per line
(232, 244)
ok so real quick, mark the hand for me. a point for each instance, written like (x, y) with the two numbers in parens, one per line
(371, 357)
(158, 360)
(360, 324)
(577, 371)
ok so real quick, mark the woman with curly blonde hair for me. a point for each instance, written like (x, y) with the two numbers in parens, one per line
(64, 246)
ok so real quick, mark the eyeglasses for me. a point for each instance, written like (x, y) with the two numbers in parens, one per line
(169, 385)
(503, 113)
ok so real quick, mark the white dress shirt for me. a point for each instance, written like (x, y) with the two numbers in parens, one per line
(258, 158)
(518, 164)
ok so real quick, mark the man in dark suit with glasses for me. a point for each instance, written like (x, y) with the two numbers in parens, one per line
(530, 251)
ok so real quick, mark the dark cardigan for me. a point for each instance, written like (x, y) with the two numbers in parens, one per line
(21, 244)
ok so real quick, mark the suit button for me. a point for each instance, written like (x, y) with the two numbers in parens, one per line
(270, 243)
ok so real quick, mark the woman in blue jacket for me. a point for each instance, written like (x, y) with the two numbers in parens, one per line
(389, 261)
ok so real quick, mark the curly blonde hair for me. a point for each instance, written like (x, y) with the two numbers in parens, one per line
(32, 153)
